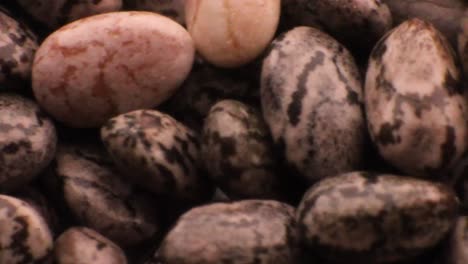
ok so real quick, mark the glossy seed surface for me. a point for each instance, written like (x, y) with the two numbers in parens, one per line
(394, 218)
(414, 104)
(311, 95)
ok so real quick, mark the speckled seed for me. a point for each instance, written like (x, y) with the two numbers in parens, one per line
(156, 152)
(443, 14)
(250, 231)
(231, 33)
(311, 99)
(27, 141)
(357, 24)
(394, 218)
(98, 67)
(24, 235)
(238, 152)
(99, 198)
(416, 113)
(463, 42)
(174, 9)
(458, 249)
(54, 13)
(17, 47)
(81, 245)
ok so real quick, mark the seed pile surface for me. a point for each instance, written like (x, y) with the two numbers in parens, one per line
(233, 131)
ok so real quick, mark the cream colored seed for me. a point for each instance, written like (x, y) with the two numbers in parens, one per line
(230, 33)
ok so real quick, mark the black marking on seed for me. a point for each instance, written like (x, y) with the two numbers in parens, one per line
(18, 40)
(307, 205)
(129, 142)
(388, 133)
(173, 156)
(383, 83)
(144, 140)
(311, 125)
(227, 144)
(352, 96)
(100, 246)
(99, 243)
(276, 45)
(295, 107)
(418, 103)
(6, 66)
(313, 120)
(19, 242)
(14, 147)
(185, 148)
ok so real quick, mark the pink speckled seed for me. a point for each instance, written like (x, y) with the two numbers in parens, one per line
(98, 67)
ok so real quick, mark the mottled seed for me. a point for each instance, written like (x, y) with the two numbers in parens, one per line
(81, 245)
(311, 99)
(416, 112)
(27, 141)
(54, 13)
(249, 231)
(156, 152)
(24, 235)
(99, 197)
(394, 218)
(238, 152)
(98, 67)
(17, 47)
